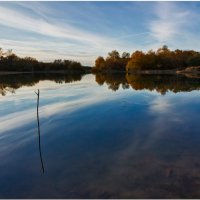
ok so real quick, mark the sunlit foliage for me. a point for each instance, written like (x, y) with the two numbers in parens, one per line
(113, 62)
(161, 59)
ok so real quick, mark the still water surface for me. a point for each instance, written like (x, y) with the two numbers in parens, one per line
(101, 137)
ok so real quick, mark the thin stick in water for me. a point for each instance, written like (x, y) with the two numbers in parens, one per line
(38, 123)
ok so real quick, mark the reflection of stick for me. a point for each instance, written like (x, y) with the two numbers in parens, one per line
(38, 123)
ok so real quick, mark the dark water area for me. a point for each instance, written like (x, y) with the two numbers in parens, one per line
(102, 136)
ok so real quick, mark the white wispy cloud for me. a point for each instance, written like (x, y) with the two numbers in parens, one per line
(169, 21)
(50, 50)
(14, 19)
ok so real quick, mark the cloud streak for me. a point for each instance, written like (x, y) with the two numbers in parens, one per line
(169, 22)
(14, 19)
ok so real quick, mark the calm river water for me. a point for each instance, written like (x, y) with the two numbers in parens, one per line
(103, 136)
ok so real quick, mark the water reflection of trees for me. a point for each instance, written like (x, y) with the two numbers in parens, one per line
(9, 83)
(160, 83)
(113, 80)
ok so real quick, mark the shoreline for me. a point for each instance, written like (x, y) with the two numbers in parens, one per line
(185, 72)
(168, 71)
(44, 72)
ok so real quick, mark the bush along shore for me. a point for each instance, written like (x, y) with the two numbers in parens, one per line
(10, 62)
(161, 61)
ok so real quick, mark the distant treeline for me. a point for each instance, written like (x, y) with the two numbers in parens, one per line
(162, 59)
(11, 62)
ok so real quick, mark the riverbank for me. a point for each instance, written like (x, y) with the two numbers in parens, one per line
(189, 71)
(45, 72)
(192, 71)
(169, 71)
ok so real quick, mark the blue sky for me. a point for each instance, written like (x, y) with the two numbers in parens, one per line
(84, 30)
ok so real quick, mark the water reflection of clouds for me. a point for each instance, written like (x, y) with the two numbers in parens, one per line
(56, 98)
(169, 116)
(21, 118)
(125, 149)
(161, 105)
(165, 114)
(159, 154)
(63, 99)
(18, 111)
